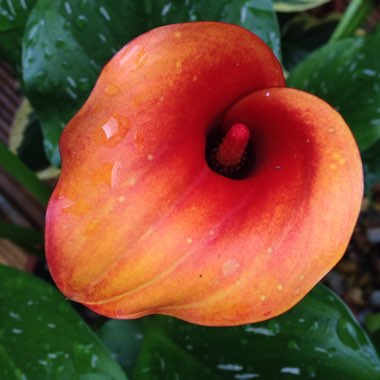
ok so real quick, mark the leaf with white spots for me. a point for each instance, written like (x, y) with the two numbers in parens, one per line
(258, 16)
(13, 16)
(67, 42)
(42, 337)
(346, 74)
(318, 339)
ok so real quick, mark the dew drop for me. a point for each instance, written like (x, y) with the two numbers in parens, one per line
(293, 345)
(291, 370)
(230, 267)
(315, 326)
(311, 372)
(135, 57)
(115, 173)
(83, 84)
(369, 72)
(71, 93)
(47, 53)
(102, 37)
(68, 8)
(230, 367)
(81, 22)
(65, 202)
(132, 182)
(60, 42)
(347, 334)
(103, 11)
(111, 127)
(71, 81)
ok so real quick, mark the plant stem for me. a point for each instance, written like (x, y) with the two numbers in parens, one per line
(22, 174)
(353, 17)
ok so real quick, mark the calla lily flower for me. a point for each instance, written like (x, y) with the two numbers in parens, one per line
(195, 184)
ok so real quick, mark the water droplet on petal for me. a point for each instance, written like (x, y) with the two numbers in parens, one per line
(111, 127)
(65, 202)
(230, 267)
(134, 57)
(115, 174)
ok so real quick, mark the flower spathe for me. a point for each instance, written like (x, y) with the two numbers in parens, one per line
(140, 223)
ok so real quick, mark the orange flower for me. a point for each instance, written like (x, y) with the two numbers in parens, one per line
(194, 184)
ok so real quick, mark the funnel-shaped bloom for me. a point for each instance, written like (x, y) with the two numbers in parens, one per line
(195, 184)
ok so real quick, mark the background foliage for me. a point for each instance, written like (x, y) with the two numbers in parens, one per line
(57, 49)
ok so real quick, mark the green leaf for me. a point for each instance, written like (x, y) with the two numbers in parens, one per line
(41, 337)
(353, 17)
(303, 34)
(319, 339)
(372, 323)
(25, 237)
(346, 74)
(23, 175)
(13, 16)
(371, 163)
(258, 16)
(297, 5)
(123, 339)
(66, 44)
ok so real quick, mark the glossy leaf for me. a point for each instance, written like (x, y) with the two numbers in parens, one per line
(65, 46)
(41, 337)
(317, 339)
(13, 16)
(297, 5)
(257, 16)
(67, 43)
(346, 74)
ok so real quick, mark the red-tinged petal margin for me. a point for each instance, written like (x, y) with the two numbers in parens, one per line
(140, 224)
